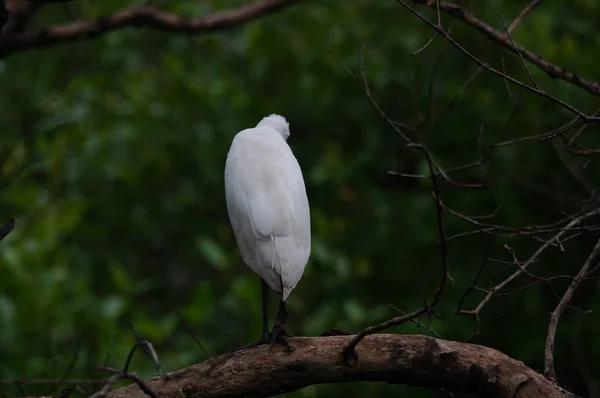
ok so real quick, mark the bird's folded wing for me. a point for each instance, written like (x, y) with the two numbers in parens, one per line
(271, 211)
(261, 215)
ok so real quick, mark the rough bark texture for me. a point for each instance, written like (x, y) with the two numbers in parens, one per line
(140, 16)
(398, 359)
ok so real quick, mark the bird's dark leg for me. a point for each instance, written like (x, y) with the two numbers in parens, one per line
(279, 333)
(265, 308)
(265, 335)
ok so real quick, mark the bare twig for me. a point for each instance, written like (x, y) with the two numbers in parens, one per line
(478, 70)
(578, 133)
(349, 353)
(523, 13)
(552, 70)
(103, 392)
(549, 371)
(520, 55)
(124, 374)
(416, 322)
(425, 45)
(595, 87)
(473, 286)
(367, 90)
(555, 240)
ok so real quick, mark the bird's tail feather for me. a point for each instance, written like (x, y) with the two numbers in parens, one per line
(286, 292)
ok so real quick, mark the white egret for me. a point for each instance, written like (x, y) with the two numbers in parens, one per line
(269, 213)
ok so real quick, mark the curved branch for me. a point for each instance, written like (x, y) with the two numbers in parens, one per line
(397, 359)
(556, 314)
(501, 38)
(144, 16)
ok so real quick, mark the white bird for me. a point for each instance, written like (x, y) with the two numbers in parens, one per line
(269, 213)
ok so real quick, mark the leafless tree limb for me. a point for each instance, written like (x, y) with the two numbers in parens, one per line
(552, 70)
(428, 308)
(125, 374)
(520, 55)
(556, 239)
(523, 13)
(539, 92)
(549, 371)
(144, 16)
(396, 359)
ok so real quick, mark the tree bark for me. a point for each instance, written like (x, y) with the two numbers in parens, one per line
(139, 16)
(416, 360)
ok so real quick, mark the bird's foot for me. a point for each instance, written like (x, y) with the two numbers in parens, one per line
(278, 335)
(263, 340)
(335, 332)
(265, 337)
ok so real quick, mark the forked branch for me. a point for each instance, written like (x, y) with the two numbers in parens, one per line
(504, 40)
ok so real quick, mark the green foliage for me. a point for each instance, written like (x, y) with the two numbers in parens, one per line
(113, 153)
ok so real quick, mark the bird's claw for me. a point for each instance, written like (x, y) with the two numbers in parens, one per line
(265, 338)
(278, 335)
(254, 344)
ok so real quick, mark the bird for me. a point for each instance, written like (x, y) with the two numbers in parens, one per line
(269, 213)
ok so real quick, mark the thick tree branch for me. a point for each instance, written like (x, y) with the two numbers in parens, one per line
(145, 16)
(397, 359)
(501, 38)
(21, 12)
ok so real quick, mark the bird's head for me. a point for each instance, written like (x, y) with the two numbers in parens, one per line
(278, 123)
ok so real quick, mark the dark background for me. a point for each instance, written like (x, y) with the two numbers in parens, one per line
(113, 153)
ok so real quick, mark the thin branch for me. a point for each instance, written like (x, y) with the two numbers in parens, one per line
(367, 90)
(520, 55)
(552, 70)
(124, 374)
(103, 392)
(485, 66)
(578, 133)
(349, 353)
(523, 13)
(574, 123)
(416, 322)
(425, 45)
(473, 286)
(556, 239)
(549, 371)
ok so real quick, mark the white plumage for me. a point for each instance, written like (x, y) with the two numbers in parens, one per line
(267, 204)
